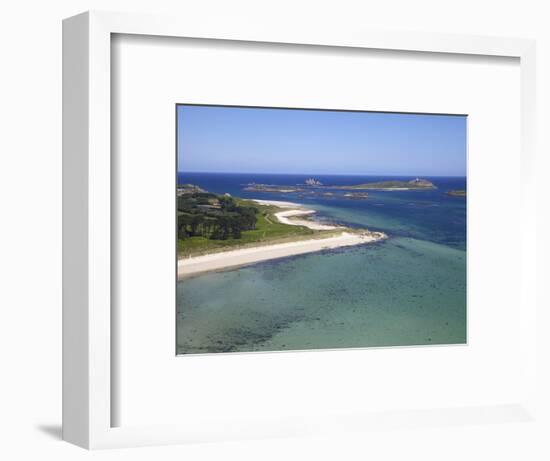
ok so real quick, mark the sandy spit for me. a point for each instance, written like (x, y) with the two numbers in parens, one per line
(229, 259)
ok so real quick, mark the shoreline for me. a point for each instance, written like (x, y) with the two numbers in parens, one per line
(296, 209)
(234, 258)
(194, 265)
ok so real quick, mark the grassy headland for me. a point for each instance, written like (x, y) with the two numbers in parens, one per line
(210, 223)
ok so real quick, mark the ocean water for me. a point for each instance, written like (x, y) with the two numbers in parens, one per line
(407, 290)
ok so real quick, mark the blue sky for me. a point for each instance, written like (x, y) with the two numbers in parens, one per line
(258, 140)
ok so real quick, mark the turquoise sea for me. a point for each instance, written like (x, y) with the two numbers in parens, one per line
(407, 290)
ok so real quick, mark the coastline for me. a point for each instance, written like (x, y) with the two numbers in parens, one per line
(234, 258)
(295, 209)
(187, 267)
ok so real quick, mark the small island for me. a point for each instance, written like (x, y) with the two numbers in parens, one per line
(413, 184)
(356, 195)
(314, 191)
(456, 193)
(253, 187)
(314, 187)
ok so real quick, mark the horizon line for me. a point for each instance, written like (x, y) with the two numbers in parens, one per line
(329, 174)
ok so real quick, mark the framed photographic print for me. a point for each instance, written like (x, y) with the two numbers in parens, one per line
(273, 233)
(318, 229)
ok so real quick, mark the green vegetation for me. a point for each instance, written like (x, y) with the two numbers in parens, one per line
(317, 187)
(415, 184)
(209, 223)
(184, 189)
(201, 214)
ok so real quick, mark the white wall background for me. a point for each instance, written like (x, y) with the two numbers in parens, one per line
(30, 224)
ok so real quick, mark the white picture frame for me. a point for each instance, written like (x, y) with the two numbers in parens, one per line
(88, 364)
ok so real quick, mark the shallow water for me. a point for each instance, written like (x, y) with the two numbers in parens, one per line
(408, 290)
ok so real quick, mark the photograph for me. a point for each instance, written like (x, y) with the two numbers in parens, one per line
(314, 229)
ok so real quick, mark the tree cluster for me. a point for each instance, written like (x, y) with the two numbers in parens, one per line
(214, 217)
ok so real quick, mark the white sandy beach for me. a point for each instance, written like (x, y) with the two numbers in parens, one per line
(233, 258)
(284, 216)
(280, 204)
(296, 210)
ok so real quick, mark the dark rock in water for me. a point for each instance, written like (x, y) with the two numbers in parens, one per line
(356, 195)
(456, 193)
(253, 187)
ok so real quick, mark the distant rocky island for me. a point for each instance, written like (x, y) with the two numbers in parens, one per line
(456, 193)
(253, 187)
(316, 190)
(314, 187)
(311, 182)
(356, 195)
(413, 184)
